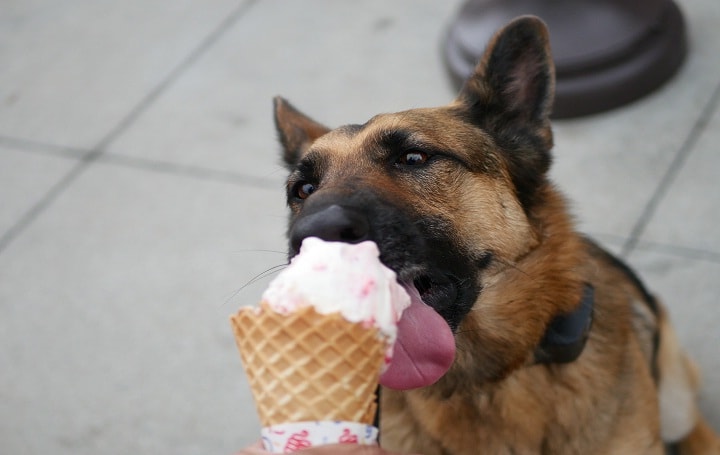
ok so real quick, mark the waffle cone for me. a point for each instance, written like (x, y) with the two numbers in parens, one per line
(306, 366)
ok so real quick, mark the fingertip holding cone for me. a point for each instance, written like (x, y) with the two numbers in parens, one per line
(306, 366)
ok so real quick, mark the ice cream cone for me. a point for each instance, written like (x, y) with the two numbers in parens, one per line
(306, 366)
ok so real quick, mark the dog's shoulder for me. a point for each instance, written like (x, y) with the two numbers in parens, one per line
(622, 295)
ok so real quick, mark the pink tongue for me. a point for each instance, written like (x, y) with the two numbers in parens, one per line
(424, 349)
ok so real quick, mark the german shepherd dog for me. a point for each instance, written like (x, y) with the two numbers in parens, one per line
(555, 346)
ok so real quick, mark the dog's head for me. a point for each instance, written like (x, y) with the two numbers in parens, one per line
(450, 194)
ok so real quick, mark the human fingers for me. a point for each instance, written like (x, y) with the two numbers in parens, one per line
(255, 449)
(347, 449)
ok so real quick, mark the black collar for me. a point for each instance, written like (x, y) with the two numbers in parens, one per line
(566, 335)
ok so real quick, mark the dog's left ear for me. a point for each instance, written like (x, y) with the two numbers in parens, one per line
(295, 130)
(516, 77)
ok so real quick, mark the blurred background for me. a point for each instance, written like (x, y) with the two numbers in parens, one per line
(141, 194)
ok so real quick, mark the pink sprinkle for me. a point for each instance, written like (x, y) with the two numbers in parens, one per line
(367, 288)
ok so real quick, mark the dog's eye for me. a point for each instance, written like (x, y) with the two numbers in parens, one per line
(413, 158)
(304, 189)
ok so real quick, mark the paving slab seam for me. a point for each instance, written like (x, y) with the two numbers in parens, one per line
(168, 80)
(678, 251)
(191, 171)
(41, 205)
(42, 148)
(604, 237)
(164, 167)
(91, 156)
(672, 171)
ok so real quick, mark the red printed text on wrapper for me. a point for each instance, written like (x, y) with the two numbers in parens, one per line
(297, 441)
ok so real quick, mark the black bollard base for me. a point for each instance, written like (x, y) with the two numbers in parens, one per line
(607, 53)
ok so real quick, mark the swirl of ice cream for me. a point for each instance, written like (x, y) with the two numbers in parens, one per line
(337, 277)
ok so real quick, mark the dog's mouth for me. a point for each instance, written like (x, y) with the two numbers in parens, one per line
(425, 346)
(440, 292)
(450, 295)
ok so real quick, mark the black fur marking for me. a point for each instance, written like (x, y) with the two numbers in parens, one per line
(647, 297)
(527, 161)
(401, 141)
(416, 249)
(616, 263)
(350, 130)
(310, 169)
(395, 139)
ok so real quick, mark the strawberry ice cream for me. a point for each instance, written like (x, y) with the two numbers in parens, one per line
(336, 277)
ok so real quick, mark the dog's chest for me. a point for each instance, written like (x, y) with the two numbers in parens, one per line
(529, 414)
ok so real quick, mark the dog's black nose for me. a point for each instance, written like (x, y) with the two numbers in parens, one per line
(333, 223)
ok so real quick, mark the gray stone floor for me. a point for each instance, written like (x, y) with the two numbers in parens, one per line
(140, 190)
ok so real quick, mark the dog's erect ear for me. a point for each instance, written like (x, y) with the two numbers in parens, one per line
(296, 130)
(516, 76)
(510, 96)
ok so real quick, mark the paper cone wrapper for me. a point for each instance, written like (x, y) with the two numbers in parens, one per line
(291, 437)
(305, 366)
